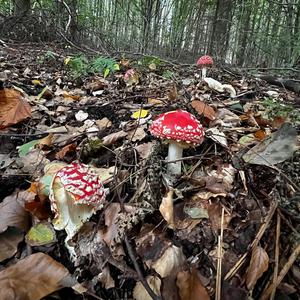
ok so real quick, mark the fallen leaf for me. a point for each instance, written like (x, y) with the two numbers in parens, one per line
(274, 149)
(173, 93)
(226, 118)
(167, 210)
(33, 278)
(14, 108)
(204, 109)
(260, 134)
(216, 135)
(12, 211)
(136, 134)
(139, 292)
(259, 263)
(40, 234)
(26, 148)
(9, 241)
(71, 97)
(71, 148)
(141, 113)
(156, 102)
(103, 123)
(171, 261)
(190, 286)
(113, 137)
(105, 278)
(81, 116)
(145, 149)
(45, 142)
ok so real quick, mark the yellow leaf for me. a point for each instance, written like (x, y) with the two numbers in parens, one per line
(142, 113)
(67, 60)
(36, 82)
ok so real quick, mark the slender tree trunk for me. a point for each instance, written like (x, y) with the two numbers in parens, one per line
(21, 7)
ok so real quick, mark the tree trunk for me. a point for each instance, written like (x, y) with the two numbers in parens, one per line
(21, 7)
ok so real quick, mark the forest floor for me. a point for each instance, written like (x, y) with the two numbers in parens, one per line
(227, 228)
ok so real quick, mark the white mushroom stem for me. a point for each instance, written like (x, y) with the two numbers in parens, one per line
(204, 69)
(174, 153)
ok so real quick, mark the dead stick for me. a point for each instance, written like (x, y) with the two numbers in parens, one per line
(276, 258)
(255, 242)
(283, 272)
(139, 272)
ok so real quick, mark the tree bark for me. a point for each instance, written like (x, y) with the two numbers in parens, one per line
(21, 7)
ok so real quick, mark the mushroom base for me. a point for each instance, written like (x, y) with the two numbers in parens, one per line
(174, 153)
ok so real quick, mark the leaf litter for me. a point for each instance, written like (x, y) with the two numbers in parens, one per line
(155, 234)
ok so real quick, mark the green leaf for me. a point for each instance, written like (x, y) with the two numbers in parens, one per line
(106, 72)
(26, 148)
(116, 67)
(40, 234)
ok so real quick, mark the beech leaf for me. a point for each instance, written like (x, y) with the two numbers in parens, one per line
(259, 263)
(139, 292)
(204, 109)
(12, 211)
(33, 277)
(9, 241)
(13, 108)
(190, 286)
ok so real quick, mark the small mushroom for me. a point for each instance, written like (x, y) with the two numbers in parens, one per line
(181, 130)
(204, 62)
(76, 193)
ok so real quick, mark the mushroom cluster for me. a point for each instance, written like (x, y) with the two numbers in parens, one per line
(181, 130)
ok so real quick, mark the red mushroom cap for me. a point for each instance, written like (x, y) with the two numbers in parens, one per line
(204, 61)
(178, 125)
(81, 183)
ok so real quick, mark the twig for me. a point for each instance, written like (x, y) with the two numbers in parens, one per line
(276, 258)
(139, 272)
(254, 243)
(282, 273)
(220, 256)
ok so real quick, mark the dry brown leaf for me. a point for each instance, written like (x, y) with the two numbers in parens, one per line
(215, 216)
(33, 277)
(156, 102)
(173, 93)
(65, 151)
(171, 261)
(113, 137)
(103, 123)
(136, 134)
(45, 142)
(204, 109)
(139, 292)
(190, 286)
(105, 278)
(259, 263)
(166, 208)
(9, 241)
(71, 97)
(12, 211)
(260, 134)
(13, 108)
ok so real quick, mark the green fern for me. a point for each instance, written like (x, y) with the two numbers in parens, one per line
(79, 66)
(103, 65)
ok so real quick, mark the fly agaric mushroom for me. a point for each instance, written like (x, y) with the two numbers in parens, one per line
(181, 130)
(204, 62)
(76, 193)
